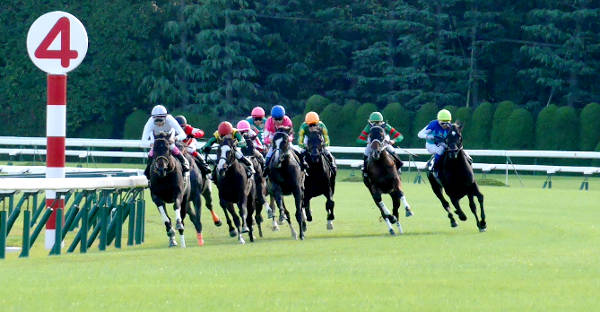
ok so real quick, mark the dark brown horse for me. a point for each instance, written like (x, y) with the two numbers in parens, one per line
(287, 178)
(383, 177)
(168, 185)
(321, 176)
(235, 187)
(457, 179)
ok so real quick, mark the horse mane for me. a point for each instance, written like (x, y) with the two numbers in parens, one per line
(284, 129)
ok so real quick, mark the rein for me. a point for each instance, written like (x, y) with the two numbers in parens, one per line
(168, 162)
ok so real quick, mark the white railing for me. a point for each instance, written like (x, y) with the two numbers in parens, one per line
(56, 184)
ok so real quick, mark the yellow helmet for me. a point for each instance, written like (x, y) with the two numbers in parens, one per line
(311, 118)
(444, 115)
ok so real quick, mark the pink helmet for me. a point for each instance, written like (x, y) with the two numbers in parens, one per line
(258, 112)
(243, 126)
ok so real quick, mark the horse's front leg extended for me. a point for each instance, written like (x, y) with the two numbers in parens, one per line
(396, 206)
(437, 190)
(167, 222)
(243, 211)
(224, 206)
(385, 213)
(300, 215)
(481, 224)
(461, 215)
(179, 221)
(279, 200)
(329, 205)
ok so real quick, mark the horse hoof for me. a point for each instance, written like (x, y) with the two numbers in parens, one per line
(270, 213)
(233, 233)
(200, 239)
(303, 227)
(242, 241)
(392, 219)
(172, 243)
(329, 225)
(461, 215)
(218, 223)
(453, 224)
(245, 229)
(392, 232)
(179, 226)
(409, 213)
(171, 233)
(482, 229)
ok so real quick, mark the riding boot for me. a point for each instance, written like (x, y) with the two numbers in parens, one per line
(202, 165)
(364, 168)
(398, 161)
(185, 165)
(248, 164)
(147, 170)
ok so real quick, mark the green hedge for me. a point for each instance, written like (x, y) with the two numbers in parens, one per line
(519, 130)
(362, 116)
(400, 118)
(590, 131)
(134, 124)
(544, 127)
(480, 131)
(566, 130)
(501, 115)
(424, 115)
(351, 129)
(331, 117)
(316, 103)
(465, 115)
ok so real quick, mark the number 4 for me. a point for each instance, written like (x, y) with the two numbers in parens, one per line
(65, 54)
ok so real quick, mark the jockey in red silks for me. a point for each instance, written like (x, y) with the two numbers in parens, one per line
(161, 121)
(190, 143)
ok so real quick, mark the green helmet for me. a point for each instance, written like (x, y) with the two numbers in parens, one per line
(444, 115)
(375, 116)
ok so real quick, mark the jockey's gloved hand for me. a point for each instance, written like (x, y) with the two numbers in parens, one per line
(206, 149)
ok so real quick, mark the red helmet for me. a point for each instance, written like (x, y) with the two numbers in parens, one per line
(258, 112)
(225, 128)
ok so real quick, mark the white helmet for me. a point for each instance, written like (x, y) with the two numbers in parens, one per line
(159, 111)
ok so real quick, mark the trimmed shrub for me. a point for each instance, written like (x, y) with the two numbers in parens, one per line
(519, 130)
(362, 116)
(501, 115)
(350, 128)
(207, 122)
(331, 117)
(480, 131)
(452, 110)
(596, 162)
(400, 118)
(424, 115)
(566, 129)
(544, 127)
(105, 130)
(589, 131)
(316, 103)
(297, 121)
(134, 124)
(464, 115)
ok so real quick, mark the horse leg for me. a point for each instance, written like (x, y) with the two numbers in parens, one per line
(396, 206)
(407, 211)
(243, 211)
(481, 224)
(437, 190)
(168, 226)
(236, 221)
(281, 205)
(179, 220)
(306, 206)
(195, 216)
(258, 204)
(458, 211)
(207, 194)
(385, 213)
(250, 208)
(225, 205)
(300, 215)
(329, 204)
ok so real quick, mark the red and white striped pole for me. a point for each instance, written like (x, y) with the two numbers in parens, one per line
(56, 125)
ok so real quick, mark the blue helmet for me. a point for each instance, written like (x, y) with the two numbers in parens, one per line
(277, 111)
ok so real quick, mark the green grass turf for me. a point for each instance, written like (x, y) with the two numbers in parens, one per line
(541, 252)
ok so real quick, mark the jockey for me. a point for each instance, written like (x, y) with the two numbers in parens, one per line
(277, 120)
(313, 123)
(257, 121)
(243, 126)
(434, 134)
(226, 130)
(160, 121)
(190, 142)
(376, 119)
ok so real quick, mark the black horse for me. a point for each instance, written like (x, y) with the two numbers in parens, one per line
(383, 177)
(168, 185)
(321, 176)
(234, 188)
(287, 178)
(200, 187)
(260, 182)
(457, 179)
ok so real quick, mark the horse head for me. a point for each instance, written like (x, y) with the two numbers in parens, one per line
(162, 163)
(314, 145)
(225, 155)
(281, 146)
(454, 140)
(376, 137)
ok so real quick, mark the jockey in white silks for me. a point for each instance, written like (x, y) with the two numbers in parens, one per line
(161, 121)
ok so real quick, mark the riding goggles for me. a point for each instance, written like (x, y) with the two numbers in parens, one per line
(445, 123)
(159, 120)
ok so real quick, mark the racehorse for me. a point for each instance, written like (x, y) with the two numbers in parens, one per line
(457, 179)
(235, 188)
(383, 177)
(199, 187)
(167, 185)
(260, 183)
(320, 179)
(287, 178)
